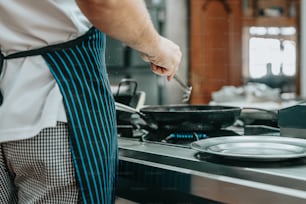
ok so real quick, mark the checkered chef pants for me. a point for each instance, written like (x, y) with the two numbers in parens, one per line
(39, 169)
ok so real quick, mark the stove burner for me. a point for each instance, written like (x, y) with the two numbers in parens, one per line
(182, 139)
(185, 138)
(130, 131)
(187, 135)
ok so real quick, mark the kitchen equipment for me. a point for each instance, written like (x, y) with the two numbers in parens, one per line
(125, 115)
(255, 148)
(173, 164)
(126, 90)
(291, 121)
(186, 117)
(187, 89)
(252, 116)
(126, 93)
(192, 117)
(258, 114)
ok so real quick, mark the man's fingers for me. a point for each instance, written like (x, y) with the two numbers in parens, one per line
(163, 71)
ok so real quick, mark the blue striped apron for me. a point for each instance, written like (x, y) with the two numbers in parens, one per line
(78, 67)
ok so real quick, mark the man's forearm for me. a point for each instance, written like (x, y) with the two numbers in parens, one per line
(130, 22)
(125, 20)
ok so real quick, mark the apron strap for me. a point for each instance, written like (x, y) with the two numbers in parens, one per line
(49, 48)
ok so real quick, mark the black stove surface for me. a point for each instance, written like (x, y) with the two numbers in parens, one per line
(184, 139)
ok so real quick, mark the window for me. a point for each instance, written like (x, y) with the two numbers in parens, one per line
(271, 55)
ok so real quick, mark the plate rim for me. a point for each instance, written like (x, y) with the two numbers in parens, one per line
(247, 138)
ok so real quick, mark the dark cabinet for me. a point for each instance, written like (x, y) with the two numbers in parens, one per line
(119, 55)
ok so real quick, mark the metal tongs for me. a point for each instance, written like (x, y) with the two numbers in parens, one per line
(187, 89)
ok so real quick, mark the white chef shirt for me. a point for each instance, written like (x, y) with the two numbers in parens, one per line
(32, 99)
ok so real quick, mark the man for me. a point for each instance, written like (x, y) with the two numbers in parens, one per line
(57, 115)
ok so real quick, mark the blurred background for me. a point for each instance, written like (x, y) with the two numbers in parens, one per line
(237, 50)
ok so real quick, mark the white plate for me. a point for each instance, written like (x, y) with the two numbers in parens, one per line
(261, 148)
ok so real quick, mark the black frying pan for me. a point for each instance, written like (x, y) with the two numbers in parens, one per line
(190, 117)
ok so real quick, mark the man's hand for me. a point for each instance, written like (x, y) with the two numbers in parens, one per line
(165, 58)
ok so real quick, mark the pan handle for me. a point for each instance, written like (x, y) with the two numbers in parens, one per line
(125, 108)
(150, 123)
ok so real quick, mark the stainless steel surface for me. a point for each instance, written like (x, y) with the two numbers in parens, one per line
(187, 89)
(255, 148)
(293, 132)
(278, 182)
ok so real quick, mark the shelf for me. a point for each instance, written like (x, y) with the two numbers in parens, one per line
(270, 21)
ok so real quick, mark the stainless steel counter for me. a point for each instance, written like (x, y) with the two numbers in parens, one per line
(219, 180)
